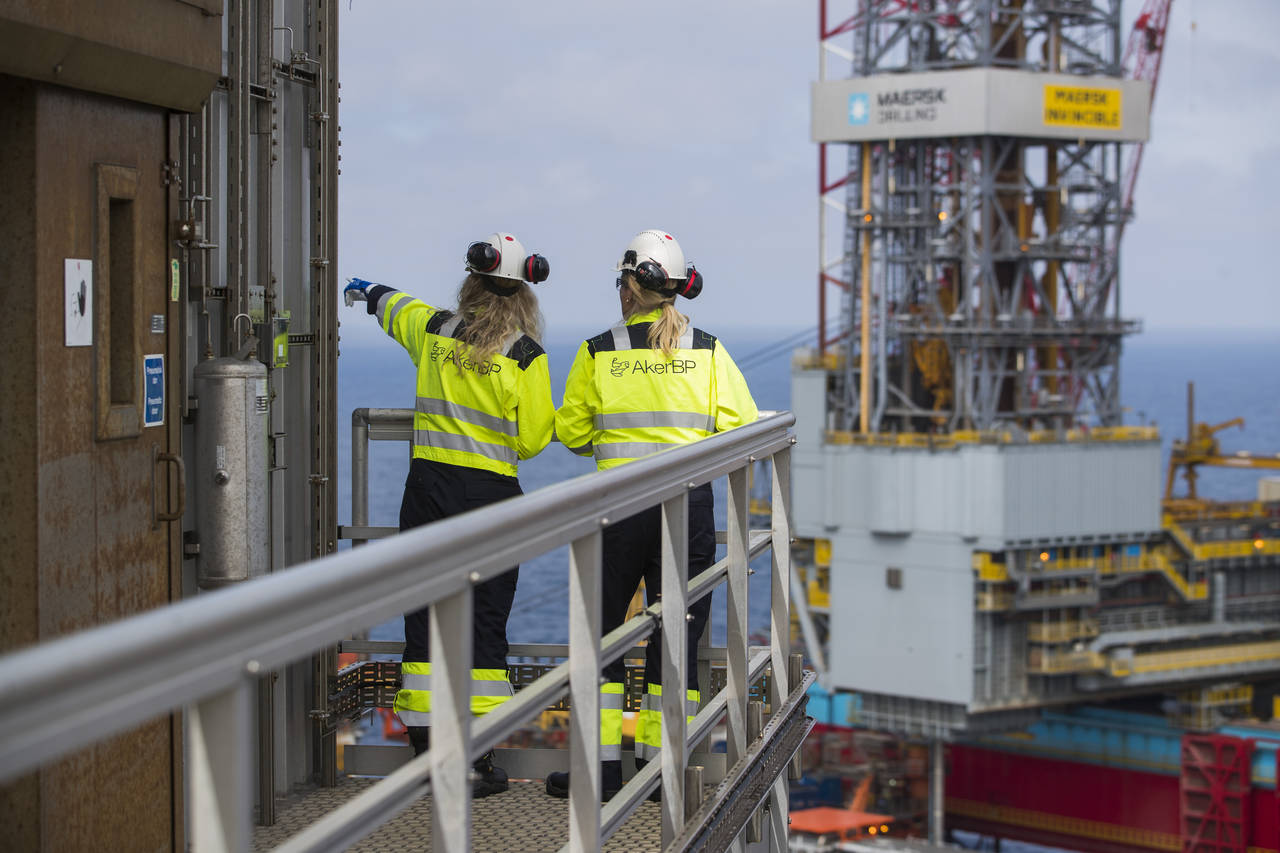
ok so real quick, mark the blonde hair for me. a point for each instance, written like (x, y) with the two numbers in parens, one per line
(665, 332)
(490, 319)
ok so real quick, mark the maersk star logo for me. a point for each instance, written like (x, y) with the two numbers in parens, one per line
(859, 108)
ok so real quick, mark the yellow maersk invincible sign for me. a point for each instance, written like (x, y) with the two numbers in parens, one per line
(1077, 106)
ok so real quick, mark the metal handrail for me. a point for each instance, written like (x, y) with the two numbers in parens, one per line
(207, 653)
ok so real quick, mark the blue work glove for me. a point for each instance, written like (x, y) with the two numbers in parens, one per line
(355, 290)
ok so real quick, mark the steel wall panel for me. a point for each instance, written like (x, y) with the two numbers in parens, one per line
(810, 457)
(891, 493)
(1076, 490)
(915, 641)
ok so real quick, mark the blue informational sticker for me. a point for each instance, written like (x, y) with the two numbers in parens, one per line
(859, 108)
(153, 390)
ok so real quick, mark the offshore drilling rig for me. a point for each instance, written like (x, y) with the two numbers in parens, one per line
(990, 531)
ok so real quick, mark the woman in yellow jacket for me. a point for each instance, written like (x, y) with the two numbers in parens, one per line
(483, 404)
(651, 383)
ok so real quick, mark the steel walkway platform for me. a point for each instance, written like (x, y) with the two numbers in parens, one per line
(523, 819)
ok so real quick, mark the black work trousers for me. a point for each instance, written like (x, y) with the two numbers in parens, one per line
(632, 550)
(434, 491)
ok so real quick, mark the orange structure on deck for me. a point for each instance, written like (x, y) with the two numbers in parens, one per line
(845, 824)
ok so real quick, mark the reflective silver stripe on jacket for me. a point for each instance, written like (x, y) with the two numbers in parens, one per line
(581, 449)
(628, 420)
(415, 718)
(432, 406)
(382, 308)
(453, 441)
(629, 449)
(622, 338)
(450, 325)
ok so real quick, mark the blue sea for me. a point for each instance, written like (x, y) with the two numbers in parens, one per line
(1236, 374)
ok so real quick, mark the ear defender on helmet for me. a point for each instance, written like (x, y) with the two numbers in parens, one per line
(692, 284)
(483, 257)
(536, 268)
(651, 276)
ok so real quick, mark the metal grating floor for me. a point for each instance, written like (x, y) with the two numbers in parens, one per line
(523, 819)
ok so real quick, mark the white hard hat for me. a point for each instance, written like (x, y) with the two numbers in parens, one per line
(658, 247)
(501, 255)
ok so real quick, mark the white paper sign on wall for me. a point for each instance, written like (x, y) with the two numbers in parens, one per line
(78, 277)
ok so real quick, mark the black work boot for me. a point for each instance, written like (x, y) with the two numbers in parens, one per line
(488, 779)
(610, 781)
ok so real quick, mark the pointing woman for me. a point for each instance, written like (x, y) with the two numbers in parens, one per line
(483, 404)
(648, 384)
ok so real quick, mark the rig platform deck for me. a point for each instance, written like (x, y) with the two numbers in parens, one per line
(524, 818)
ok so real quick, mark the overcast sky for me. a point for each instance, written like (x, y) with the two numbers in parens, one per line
(577, 124)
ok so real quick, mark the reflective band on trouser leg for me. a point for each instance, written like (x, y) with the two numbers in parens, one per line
(611, 721)
(649, 720)
(489, 689)
(413, 700)
(649, 724)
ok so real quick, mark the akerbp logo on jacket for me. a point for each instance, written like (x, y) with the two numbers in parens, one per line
(446, 354)
(620, 366)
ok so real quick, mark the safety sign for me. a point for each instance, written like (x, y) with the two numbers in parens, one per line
(153, 390)
(78, 281)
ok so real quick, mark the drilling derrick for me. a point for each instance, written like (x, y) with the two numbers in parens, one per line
(986, 527)
(978, 284)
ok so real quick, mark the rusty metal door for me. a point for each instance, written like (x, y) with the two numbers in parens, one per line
(109, 483)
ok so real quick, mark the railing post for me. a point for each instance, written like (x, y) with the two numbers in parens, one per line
(451, 723)
(220, 738)
(584, 693)
(692, 790)
(780, 582)
(675, 639)
(780, 633)
(737, 635)
(755, 725)
(359, 471)
(795, 674)
(779, 816)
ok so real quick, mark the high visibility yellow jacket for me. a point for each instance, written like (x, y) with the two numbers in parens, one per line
(623, 400)
(487, 416)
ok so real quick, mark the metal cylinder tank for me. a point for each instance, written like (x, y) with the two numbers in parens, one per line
(231, 451)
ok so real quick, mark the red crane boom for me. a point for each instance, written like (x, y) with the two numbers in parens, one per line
(1142, 54)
